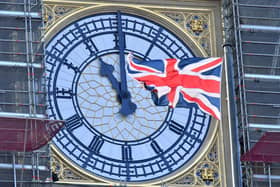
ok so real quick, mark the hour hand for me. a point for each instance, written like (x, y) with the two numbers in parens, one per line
(106, 70)
(124, 97)
(128, 107)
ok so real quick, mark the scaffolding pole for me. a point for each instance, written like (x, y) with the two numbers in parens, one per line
(14, 169)
(259, 28)
(269, 176)
(9, 13)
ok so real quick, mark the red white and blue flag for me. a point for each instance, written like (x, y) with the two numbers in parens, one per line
(181, 83)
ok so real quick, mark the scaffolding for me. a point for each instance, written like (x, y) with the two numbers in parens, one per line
(255, 32)
(22, 88)
(257, 44)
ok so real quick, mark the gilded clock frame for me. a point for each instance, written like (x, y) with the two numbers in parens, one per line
(159, 13)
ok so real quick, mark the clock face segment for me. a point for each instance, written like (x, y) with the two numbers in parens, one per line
(100, 105)
(150, 143)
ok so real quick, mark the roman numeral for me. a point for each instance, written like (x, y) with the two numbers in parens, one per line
(156, 147)
(153, 42)
(176, 127)
(96, 144)
(71, 66)
(64, 93)
(126, 153)
(90, 45)
(53, 56)
(73, 122)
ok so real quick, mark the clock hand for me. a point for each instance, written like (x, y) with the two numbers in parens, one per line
(106, 70)
(128, 107)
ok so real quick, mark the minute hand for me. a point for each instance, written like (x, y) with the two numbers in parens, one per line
(128, 107)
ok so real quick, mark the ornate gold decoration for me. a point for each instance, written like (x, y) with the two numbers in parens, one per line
(65, 172)
(177, 17)
(195, 24)
(54, 12)
(62, 171)
(206, 172)
(198, 26)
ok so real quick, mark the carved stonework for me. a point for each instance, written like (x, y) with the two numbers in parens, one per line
(178, 17)
(61, 170)
(54, 12)
(197, 25)
(206, 172)
(66, 172)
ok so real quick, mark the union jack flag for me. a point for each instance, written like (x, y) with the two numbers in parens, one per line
(181, 83)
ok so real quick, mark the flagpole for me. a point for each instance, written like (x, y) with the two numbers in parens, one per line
(236, 172)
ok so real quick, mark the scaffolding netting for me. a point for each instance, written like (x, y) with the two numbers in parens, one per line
(265, 150)
(26, 134)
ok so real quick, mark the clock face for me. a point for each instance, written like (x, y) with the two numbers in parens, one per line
(149, 143)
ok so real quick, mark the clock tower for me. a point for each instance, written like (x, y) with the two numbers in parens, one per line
(144, 145)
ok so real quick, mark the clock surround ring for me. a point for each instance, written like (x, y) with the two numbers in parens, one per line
(128, 9)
